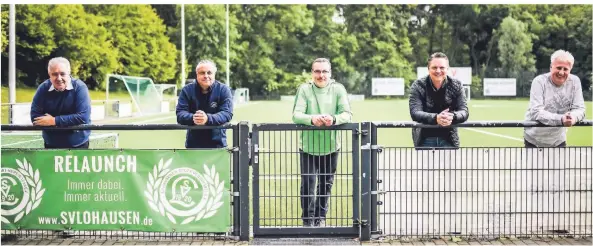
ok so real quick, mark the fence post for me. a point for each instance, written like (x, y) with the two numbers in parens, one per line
(373, 165)
(244, 179)
(365, 198)
(236, 183)
(255, 182)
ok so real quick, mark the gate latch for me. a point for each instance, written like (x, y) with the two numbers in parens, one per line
(361, 223)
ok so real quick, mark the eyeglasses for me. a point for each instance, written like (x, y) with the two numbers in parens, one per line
(56, 74)
(321, 71)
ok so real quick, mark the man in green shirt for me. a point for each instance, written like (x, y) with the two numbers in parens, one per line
(321, 102)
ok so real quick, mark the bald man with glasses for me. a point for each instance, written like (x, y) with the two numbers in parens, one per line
(62, 100)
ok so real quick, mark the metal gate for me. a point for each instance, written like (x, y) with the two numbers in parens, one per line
(280, 164)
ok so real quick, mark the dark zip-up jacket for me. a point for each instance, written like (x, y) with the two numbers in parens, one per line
(219, 111)
(421, 107)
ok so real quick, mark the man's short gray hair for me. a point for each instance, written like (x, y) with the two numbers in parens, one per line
(562, 56)
(211, 63)
(322, 60)
(58, 60)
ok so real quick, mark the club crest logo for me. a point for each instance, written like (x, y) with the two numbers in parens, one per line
(22, 191)
(184, 192)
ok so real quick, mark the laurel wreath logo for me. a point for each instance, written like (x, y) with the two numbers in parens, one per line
(205, 210)
(36, 191)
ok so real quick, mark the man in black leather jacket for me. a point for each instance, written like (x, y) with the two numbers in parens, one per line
(437, 99)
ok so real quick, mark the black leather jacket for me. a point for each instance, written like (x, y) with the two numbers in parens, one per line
(421, 105)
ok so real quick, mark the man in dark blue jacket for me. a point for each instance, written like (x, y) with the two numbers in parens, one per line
(62, 101)
(205, 102)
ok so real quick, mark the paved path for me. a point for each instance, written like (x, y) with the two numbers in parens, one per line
(303, 241)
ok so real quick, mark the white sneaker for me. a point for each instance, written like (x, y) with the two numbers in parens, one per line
(321, 223)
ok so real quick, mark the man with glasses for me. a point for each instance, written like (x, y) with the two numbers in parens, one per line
(205, 102)
(321, 102)
(62, 101)
(437, 99)
(556, 99)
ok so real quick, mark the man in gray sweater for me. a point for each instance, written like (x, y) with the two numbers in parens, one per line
(556, 99)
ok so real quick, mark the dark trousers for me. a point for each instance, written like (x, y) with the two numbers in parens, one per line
(313, 167)
(82, 146)
(436, 142)
(530, 145)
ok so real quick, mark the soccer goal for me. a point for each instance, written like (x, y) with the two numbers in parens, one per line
(168, 94)
(141, 90)
(241, 96)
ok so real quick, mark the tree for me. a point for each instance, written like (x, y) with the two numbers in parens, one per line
(514, 46)
(269, 40)
(168, 13)
(387, 50)
(139, 36)
(47, 31)
(473, 25)
(82, 39)
(4, 29)
(205, 37)
(554, 27)
(330, 39)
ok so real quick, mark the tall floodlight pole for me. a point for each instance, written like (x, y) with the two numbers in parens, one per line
(183, 77)
(228, 64)
(11, 58)
(11, 62)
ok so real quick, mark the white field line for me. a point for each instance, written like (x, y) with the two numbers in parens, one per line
(41, 139)
(22, 142)
(494, 134)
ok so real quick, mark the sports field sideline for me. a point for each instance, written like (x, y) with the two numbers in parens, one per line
(368, 110)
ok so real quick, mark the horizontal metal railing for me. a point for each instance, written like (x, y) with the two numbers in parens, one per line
(485, 124)
(126, 127)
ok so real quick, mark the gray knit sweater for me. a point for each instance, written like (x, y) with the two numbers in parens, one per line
(547, 104)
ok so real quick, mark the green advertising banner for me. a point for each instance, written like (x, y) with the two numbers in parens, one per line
(145, 190)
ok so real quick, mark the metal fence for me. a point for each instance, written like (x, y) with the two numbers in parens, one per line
(239, 152)
(389, 191)
(287, 175)
(484, 192)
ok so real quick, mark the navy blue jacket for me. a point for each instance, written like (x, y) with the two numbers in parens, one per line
(69, 107)
(219, 111)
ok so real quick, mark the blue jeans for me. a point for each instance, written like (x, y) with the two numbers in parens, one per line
(436, 142)
(315, 206)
